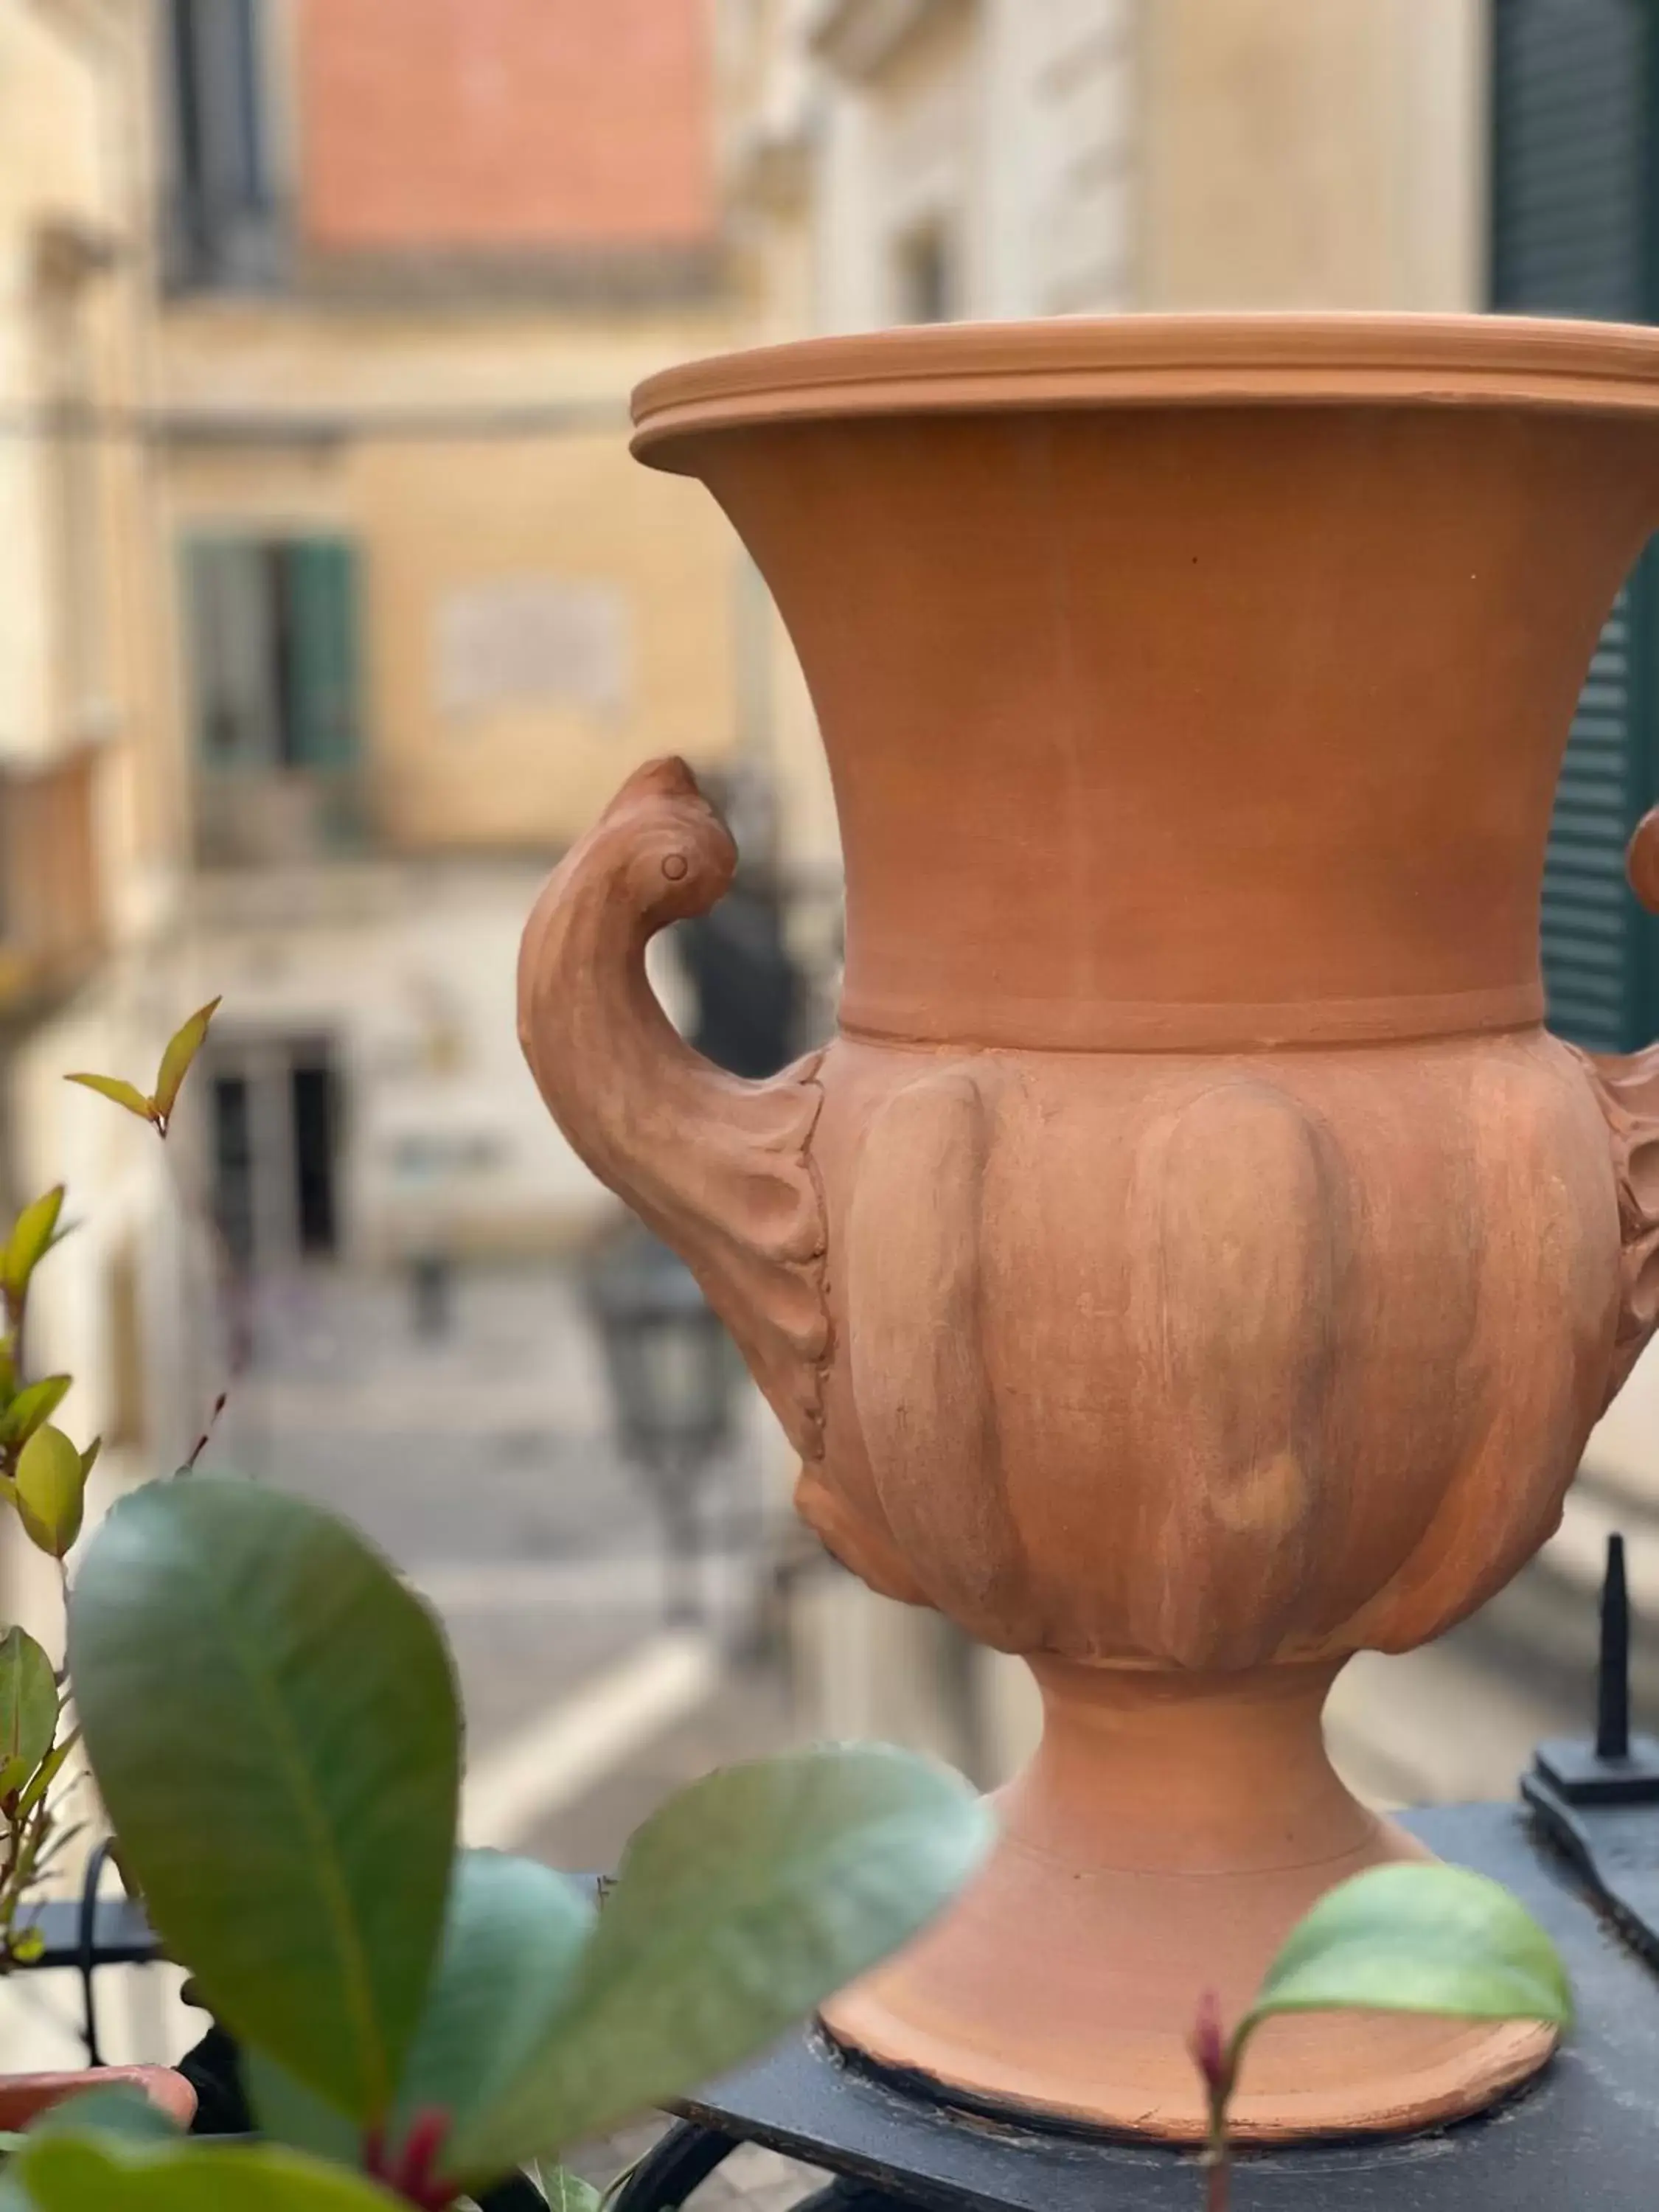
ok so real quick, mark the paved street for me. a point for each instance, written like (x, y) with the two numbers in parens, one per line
(482, 1460)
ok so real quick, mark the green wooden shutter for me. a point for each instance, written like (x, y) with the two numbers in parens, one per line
(325, 709)
(1572, 159)
(229, 654)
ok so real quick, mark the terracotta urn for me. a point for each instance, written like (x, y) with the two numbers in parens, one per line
(1192, 1260)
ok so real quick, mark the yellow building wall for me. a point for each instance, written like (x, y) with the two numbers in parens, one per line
(49, 132)
(73, 83)
(577, 513)
(441, 519)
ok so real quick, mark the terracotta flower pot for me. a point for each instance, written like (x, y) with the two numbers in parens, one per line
(1192, 1261)
(24, 2097)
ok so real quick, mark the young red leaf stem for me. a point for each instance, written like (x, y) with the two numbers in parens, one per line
(1216, 2056)
(411, 2171)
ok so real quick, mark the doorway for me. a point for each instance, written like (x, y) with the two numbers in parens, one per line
(275, 1139)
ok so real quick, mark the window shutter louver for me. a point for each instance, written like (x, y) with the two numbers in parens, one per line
(1572, 136)
(321, 586)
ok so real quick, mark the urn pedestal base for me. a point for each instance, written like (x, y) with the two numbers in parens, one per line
(1169, 1831)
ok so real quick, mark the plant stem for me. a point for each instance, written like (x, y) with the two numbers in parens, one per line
(1218, 2152)
(201, 1224)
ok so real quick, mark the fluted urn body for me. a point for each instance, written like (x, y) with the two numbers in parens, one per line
(1192, 1260)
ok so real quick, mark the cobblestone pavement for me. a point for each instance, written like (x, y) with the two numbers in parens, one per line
(483, 1461)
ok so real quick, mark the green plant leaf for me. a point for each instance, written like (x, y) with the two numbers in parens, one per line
(272, 1719)
(52, 1492)
(28, 1701)
(47, 1772)
(1436, 1939)
(124, 1094)
(35, 1403)
(566, 2192)
(89, 1456)
(288, 2112)
(31, 1233)
(512, 1933)
(63, 2174)
(182, 1046)
(746, 1900)
(511, 1940)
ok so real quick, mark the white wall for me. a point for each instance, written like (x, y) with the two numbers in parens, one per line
(1011, 125)
(1324, 155)
(446, 1136)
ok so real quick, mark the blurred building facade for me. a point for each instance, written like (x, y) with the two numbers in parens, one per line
(88, 831)
(335, 607)
(413, 256)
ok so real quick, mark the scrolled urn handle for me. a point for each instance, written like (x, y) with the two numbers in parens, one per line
(719, 1168)
(1627, 1087)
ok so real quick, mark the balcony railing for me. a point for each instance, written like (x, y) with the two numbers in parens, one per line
(52, 923)
(280, 817)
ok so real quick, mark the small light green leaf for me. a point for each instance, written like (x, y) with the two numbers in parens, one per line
(1436, 1939)
(63, 2174)
(52, 1489)
(182, 1046)
(31, 1233)
(745, 1902)
(270, 1715)
(89, 1456)
(124, 1094)
(35, 1403)
(28, 1946)
(28, 1700)
(47, 1772)
(513, 1936)
(566, 2192)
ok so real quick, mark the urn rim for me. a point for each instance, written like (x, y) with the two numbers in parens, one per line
(1140, 360)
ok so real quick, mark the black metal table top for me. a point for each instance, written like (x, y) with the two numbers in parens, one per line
(1583, 2136)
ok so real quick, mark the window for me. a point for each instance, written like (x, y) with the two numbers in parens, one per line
(70, 258)
(924, 275)
(271, 642)
(222, 224)
(1573, 169)
(272, 635)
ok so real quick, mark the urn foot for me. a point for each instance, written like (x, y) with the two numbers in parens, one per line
(1165, 1838)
